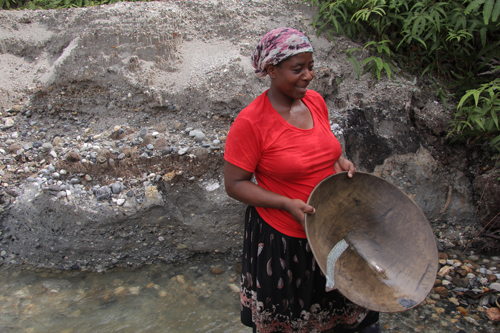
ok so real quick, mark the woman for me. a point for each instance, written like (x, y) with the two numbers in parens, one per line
(283, 138)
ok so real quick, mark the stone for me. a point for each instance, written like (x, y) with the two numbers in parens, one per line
(103, 193)
(56, 141)
(493, 314)
(117, 187)
(199, 136)
(166, 150)
(495, 286)
(216, 270)
(234, 287)
(8, 123)
(445, 270)
(73, 157)
(143, 132)
(47, 146)
(441, 291)
(14, 148)
(442, 255)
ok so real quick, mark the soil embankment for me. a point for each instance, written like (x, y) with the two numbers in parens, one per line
(114, 120)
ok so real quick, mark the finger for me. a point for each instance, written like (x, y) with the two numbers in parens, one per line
(352, 170)
(310, 210)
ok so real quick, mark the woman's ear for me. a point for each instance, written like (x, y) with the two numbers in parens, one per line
(271, 71)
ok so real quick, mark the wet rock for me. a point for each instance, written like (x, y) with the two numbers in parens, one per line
(233, 287)
(493, 314)
(216, 270)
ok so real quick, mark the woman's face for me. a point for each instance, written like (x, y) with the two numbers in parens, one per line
(292, 76)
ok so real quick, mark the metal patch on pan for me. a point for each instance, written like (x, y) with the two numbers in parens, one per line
(331, 260)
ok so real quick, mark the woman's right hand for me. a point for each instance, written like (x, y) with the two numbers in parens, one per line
(298, 208)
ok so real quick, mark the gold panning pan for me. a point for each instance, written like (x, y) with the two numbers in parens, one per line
(372, 242)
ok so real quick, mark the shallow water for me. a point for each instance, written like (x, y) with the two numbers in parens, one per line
(172, 298)
(162, 298)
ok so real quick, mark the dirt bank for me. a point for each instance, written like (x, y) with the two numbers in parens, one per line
(114, 120)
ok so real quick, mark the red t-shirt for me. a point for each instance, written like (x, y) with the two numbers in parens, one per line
(284, 159)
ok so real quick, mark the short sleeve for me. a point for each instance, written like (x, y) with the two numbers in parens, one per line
(243, 145)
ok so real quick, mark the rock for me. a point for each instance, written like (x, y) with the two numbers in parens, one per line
(73, 157)
(143, 132)
(180, 279)
(166, 150)
(441, 291)
(14, 148)
(37, 144)
(15, 108)
(493, 314)
(56, 141)
(8, 123)
(117, 187)
(212, 187)
(103, 193)
(234, 287)
(47, 146)
(216, 270)
(462, 311)
(495, 286)
(199, 136)
(473, 258)
(88, 177)
(445, 270)
(119, 290)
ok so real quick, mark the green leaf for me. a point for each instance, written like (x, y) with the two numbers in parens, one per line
(496, 12)
(473, 6)
(488, 6)
(494, 117)
(482, 32)
(388, 69)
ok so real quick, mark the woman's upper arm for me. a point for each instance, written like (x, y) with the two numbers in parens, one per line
(233, 175)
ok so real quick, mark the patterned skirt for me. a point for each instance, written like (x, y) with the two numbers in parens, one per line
(283, 289)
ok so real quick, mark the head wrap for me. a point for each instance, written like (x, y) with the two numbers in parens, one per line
(278, 45)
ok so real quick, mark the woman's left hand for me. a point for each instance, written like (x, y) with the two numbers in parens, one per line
(344, 165)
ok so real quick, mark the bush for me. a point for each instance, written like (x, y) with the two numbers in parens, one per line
(457, 42)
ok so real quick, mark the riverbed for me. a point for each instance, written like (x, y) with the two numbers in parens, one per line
(200, 295)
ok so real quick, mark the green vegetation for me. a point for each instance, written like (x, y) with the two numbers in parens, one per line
(455, 42)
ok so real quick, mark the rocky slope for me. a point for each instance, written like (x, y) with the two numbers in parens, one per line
(114, 120)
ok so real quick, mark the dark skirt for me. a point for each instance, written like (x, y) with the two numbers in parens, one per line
(283, 289)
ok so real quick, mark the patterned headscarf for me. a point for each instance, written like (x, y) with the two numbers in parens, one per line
(278, 45)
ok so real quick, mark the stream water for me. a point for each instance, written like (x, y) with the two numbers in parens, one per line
(200, 295)
(186, 297)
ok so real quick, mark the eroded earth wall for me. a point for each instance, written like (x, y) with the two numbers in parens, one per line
(114, 120)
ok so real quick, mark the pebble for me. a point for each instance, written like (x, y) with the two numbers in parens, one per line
(117, 187)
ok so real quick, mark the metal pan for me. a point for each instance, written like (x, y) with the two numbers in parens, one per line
(372, 242)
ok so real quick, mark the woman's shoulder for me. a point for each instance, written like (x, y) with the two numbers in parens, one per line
(255, 108)
(314, 96)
